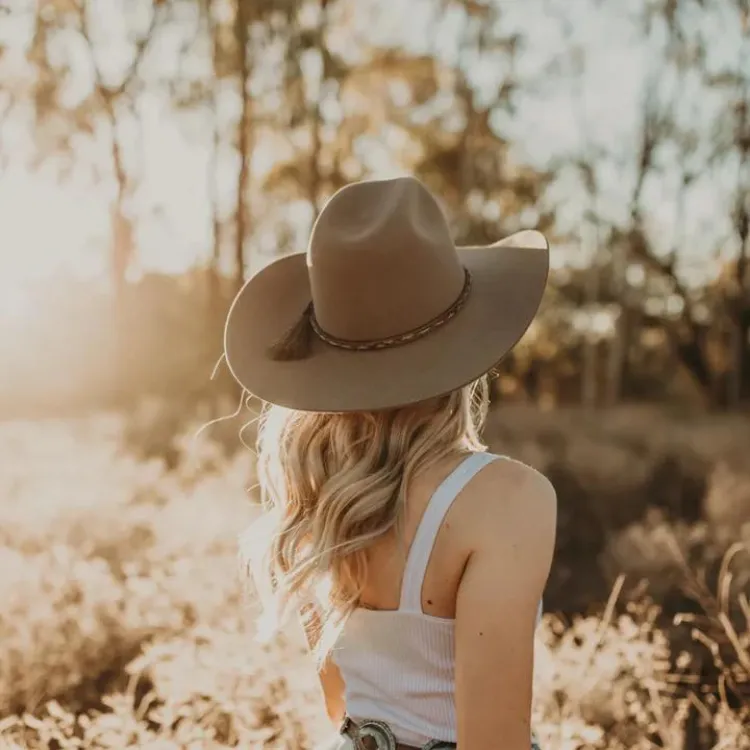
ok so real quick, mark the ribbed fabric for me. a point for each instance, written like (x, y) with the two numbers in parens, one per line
(398, 666)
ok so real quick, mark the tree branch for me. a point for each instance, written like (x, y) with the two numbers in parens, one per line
(107, 93)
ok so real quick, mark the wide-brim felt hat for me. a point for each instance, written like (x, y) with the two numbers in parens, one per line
(383, 310)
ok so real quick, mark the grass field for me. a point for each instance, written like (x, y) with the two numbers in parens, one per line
(123, 621)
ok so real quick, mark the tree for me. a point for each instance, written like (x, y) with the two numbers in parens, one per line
(689, 132)
(103, 109)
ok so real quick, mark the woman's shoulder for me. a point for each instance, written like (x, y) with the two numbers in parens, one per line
(511, 475)
(508, 499)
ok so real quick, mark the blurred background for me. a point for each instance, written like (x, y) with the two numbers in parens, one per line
(154, 153)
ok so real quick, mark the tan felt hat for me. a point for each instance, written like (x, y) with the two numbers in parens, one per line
(383, 309)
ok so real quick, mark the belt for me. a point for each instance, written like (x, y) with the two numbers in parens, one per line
(377, 735)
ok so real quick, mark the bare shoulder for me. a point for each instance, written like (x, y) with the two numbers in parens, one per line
(507, 528)
(508, 500)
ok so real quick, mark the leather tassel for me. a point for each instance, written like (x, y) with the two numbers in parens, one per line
(296, 343)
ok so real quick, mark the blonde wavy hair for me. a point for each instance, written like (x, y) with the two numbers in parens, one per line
(331, 485)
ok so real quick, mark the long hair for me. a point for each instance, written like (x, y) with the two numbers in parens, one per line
(331, 484)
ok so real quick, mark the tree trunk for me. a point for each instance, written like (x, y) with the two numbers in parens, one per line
(214, 275)
(619, 345)
(737, 357)
(740, 319)
(244, 140)
(316, 122)
(692, 355)
(745, 364)
(617, 358)
(122, 250)
(589, 384)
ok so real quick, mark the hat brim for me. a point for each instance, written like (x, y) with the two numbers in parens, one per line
(508, 282)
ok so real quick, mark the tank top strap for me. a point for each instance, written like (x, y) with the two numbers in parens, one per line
(429, 526)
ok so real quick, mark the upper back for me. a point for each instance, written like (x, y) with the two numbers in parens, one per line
(418, 566)
(447, 509)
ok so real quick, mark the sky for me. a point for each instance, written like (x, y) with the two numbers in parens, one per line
(50, 226)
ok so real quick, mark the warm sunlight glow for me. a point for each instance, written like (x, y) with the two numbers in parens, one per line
(161, 160)
(46, 227)
(15, 303)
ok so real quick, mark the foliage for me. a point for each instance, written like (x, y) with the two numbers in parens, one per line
(303, 97)
(123, 620)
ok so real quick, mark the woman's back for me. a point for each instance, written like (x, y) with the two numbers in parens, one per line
(396, 654)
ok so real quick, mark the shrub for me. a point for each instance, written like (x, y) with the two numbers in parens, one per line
(122, 622)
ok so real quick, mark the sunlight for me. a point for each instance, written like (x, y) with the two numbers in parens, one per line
(155, 155)
(15, 303)
(45, 226)
(50, 226)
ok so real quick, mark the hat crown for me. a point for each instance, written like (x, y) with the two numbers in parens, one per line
(381, 260)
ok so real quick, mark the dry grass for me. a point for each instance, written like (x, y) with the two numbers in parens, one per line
(122, 622)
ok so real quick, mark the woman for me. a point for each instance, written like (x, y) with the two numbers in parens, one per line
(416, 559)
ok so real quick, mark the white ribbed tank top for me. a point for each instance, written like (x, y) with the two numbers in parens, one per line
(397, 665)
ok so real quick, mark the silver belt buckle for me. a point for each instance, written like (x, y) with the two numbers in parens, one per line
(382, 735)
(380, 732)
